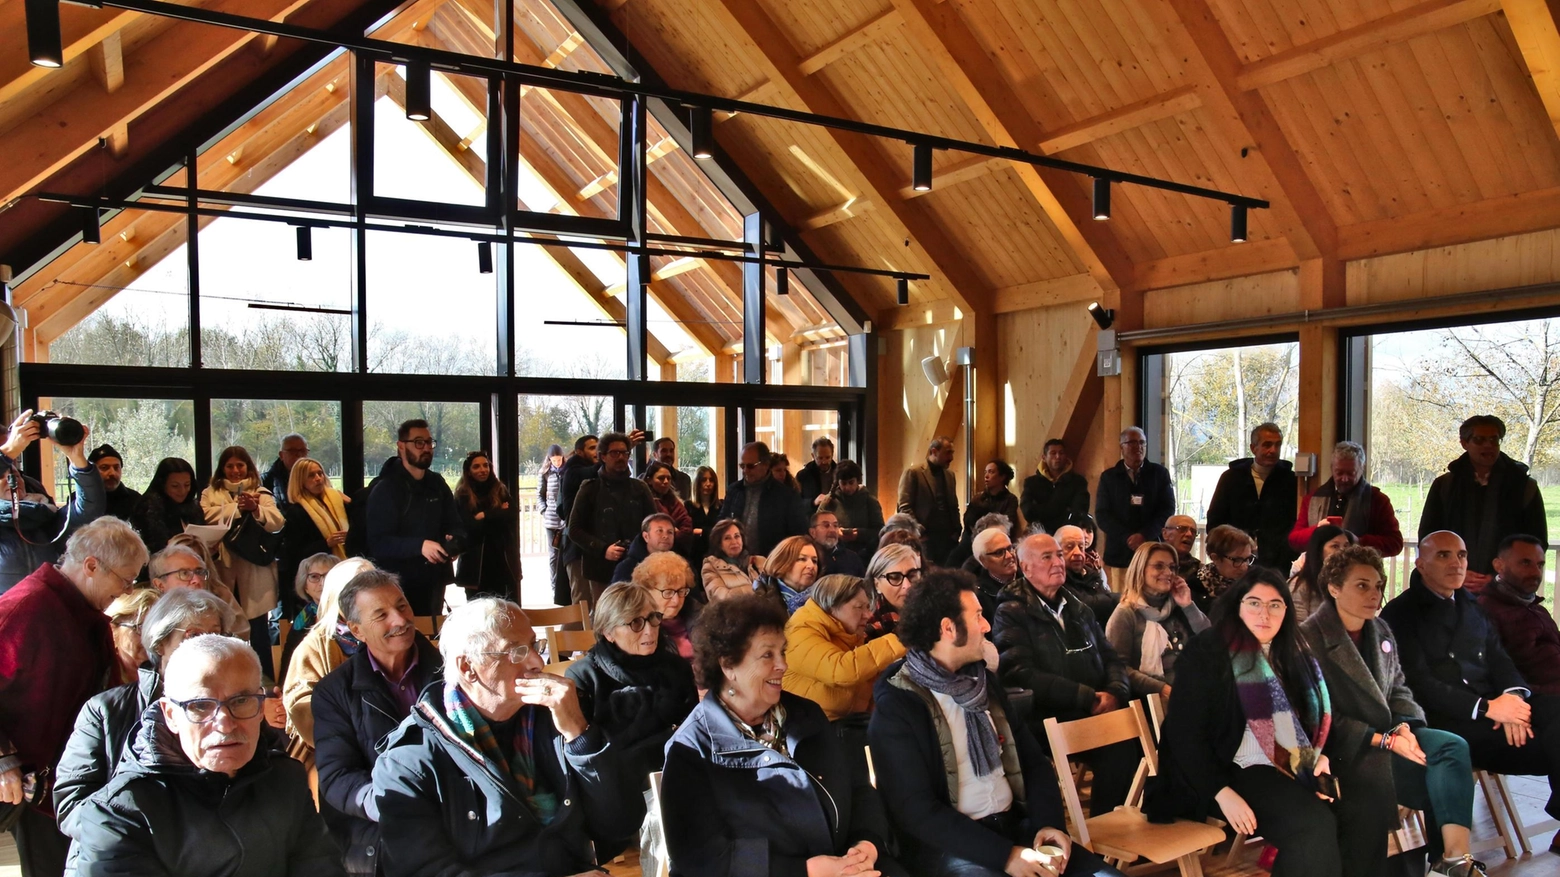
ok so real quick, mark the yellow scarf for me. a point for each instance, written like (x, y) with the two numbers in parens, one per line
(329, 516)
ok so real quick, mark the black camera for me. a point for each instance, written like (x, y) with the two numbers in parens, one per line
(62, 430)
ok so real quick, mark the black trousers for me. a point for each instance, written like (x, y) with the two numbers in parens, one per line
(1487, 745)
(1348, 837)
(40, 847)
(1114, 767)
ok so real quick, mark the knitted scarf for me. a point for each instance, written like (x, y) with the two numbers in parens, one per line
(968, 690)
(1291, 747)
(477, 733)
(329, 515)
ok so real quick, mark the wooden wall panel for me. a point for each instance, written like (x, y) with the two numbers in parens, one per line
(1243, 297)
(1038, 349)
(1522, 260)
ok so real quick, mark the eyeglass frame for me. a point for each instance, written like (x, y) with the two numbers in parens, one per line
(653, 619)
(1272, 607)
(185, 575)
(1248, 560)
(510, 653)
(420, 444)
(669, 593)
(218, 705)
(1000, 552)
(911, 575)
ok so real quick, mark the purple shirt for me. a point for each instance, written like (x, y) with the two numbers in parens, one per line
(404, 689)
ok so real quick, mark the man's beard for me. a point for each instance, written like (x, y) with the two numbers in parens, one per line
(419, 460)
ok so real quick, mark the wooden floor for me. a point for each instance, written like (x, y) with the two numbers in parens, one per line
(1530, 792)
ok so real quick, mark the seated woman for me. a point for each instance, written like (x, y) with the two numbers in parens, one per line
(729, 569)
(789, 572)
(1373, 708)
(1305, 585)
(893, 571)
(669, 580)
(126, 614)
(1247, 737)
(756, 781)
(830, 661)
(1155, 619)
(193, 568)
(632, 683)
(323, 649)
(308, 582)
(1230, 552)
(107, 721)
(498, 771)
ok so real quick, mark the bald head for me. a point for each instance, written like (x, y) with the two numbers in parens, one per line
(1044, 568)
(1442, 562)
(1074, 544)
(210, 688)
(1180, 531)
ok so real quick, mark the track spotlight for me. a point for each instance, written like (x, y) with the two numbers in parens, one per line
(1237, 223)
(419, 91)
(1103, 316)
(43, 33)
(701, 130)
(91, 227)
(921, 173)
(782, 282)
(904, 291)
(485, 257)
(305, 244)
(1101, 198)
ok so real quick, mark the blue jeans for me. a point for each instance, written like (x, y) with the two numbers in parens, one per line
(1442, 787)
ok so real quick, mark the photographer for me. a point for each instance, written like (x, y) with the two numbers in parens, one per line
(33, 529)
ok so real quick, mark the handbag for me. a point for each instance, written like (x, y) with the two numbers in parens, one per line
(249, 540)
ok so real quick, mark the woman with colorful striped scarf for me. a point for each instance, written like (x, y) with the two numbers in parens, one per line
(1246, 738)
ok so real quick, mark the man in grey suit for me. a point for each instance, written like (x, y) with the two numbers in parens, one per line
(930, 493)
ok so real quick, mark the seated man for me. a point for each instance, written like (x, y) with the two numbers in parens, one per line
(1462, 676)
(1003, 802)
(657, 532)
(1516, 608)
(1050, 643)
(496, 771)
(1085, 578)
(824, 528)
(196, 794)
(998, 567)
(1181, 532)
(360, 703)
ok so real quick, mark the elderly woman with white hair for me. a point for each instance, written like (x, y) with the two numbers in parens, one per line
(498, 770)
(108, 721)
(322, 650)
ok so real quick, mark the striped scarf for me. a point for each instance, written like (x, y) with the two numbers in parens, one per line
(1280, 730)
(477, 733)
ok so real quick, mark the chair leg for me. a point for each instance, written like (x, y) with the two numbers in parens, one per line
(1191, 865)
(1237, 846)
(1497, 812)
(1510, 804)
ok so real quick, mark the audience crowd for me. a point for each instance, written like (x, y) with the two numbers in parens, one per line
(771, 678)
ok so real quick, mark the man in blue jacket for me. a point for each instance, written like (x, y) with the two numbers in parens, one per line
(989, 813)
(414, 527)
(1257, 494)
(769, 511)
(1136, 497)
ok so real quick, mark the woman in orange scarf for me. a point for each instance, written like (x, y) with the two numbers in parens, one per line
(316, 516)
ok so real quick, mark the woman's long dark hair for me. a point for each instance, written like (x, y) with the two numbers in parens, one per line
(697, 499)
(166, 468)
(227, 454)
(480, 496)
(1291, 659)
(1311, 571)
(653, 467)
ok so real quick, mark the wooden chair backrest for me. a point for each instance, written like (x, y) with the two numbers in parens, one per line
(560, 641)
(1082, 735)
(559, 668)
(1156, 712)
(577, 613)
(427, 625)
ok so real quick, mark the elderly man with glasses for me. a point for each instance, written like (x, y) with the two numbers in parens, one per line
(998, 559)
(1135, 498)
(497, 771)
(1085, 579)
(414, 528)
(769, 511)
(197, 793)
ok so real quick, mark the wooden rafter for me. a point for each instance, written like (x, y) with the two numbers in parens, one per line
(1536, 25)
(80, 29)
(845, 45)
(1134, 115)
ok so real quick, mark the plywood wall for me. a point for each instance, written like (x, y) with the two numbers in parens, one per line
(1521, 260)
(1258, 295)
(1038, 350)
(909, 406)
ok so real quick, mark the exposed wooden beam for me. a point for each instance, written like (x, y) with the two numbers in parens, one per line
(1133, 115)
(1482, 220)
(81, 29)
(1077, 289)
(930, 313)
(1220, 263)
(564, 50)
(107, 61)
(1425, 18)
(965, 169)
(849, 43)
(1080, 399)
(825, 218)
(671, 269)
(653, 154)
(1534, 24)
(1244, 117)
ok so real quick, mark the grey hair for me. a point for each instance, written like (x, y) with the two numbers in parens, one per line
(301, 580)
(178, 608)
(1133, 429)
(1348, 450)
(1024, 551)
(902, 521)
(1269, 426)
(477, 627)
(983, 539)
(293, 435)
(833, 591)
(110, 540)
(620, 604)
(197, 655)
(939, 443)
(886, 558)
(154, 564)
(994, 519)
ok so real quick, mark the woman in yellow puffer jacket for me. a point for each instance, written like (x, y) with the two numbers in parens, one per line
(829, 659)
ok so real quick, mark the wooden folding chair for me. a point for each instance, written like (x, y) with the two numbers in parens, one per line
(1156, 712)
(1511, 832)
(1125, 834)
(559, 668)
(283, 628)
(553, 616)
(663, 867)
(427, 625)
(561, 642)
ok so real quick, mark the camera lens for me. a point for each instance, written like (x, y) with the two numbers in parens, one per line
(66, 431)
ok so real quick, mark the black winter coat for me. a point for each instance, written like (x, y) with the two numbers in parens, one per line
(1034, 654)
(445, 811)
(607, 510)
(158, 520)
(1267, 518)
(780, 514)
(404, 512)
(300, 539)
(354, 714)
(638, 701)
(104, 727)
(735, 808)
(1451, 653)
(1119, 516)
(1003, 503)
(814, 481)
(861, 512)
(1091, 590)
(1053, 504)
(491, 562)
(1482, 516)
(161, 815)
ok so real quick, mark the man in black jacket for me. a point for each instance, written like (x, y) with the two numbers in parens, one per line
(497, 771)
(120, 500)
(817, 477)
(294, 448)
(1484, 496)
(414, 528)
(986, 821)
(607, 514)
(197, 793)
(1257, 495)
(996, 559)
(579, 468)
(1180, 532)
(824, 529)
(1459, 672)
(1135, 498)
(1050, 643)
(657, 532)
(1085, 579)
(360, 703)
(1055, 494)
(769, 511)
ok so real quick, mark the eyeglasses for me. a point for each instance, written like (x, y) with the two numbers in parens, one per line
(314, 577)
(747, 466)
(184, 575)
(1272, 607)
(617, 452)
(1000, 552)
(1135, 443)
(514, 655)
(1239, 561)
(899, 578)
(201, 710)
(128, 580)
(638, 624)
(1184, 528)
(128, 625)
(669, 593)
(420, 444)
(1160, 567)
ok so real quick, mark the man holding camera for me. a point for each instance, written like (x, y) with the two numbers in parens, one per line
(33, 529)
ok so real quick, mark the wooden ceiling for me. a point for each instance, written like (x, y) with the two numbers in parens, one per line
(1373, 126)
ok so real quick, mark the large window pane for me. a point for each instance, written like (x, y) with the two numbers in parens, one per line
(454, 425)
(260, 424)
(440, 160)
(143, 430)
(431, 310)
(1214, 398)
